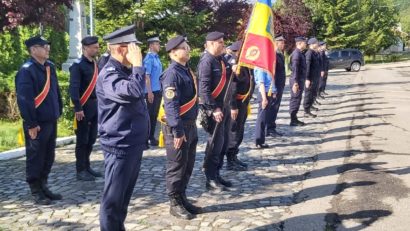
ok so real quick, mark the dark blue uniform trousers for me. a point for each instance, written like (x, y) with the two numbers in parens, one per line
(237, 128)
(180, 162)
(323, 82)
(214, 156)
(275, 109)
(40, 152)
(263, 119)
(121, 173)
(311, 94)
(86, 135)
(153, 110)
(295, 98)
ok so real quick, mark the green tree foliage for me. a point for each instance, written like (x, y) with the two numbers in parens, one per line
(365, 24)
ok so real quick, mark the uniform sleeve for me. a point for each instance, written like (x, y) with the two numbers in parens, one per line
(25, 97)
(171, 96)
(74, 88)
(308, 63)
(124, 89)
(205, 83)
(148, 64)
(295, 65)
(234, 91)
(60, 98)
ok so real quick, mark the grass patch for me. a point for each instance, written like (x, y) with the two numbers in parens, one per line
(9, 133)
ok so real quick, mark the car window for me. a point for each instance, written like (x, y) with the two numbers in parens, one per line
(345, 54)
(334, 55)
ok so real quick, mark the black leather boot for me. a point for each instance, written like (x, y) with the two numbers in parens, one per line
(177, 209)
(224, 182)
(215, 185)
(38, 195)
(47, 192)
(189, 206)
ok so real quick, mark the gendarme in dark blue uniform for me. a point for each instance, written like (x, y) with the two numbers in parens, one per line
(181, 111)
(31, 81)
(82, 93)
(297, 78)
(280, 81)
(123, 125)
(210, 74)
(313, 69)
(325, 69)
(243, 87)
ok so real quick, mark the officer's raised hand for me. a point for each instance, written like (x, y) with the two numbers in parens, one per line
(179, 141)
(218, 115)
(33, 132)
(134, 55)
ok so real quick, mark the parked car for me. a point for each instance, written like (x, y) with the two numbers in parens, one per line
(348, 59)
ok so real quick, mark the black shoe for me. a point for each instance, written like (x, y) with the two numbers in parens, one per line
(320, 96)
(314, 108)
(274, 133)
(310, 114)
(177, 209)
(240, 162)
(224, 182)
(94, 173)
(153, 142)
(189, 206)
(215, 185)
(85, 176)
(261, 146)
(325, 93)
(47, 192)
(38, 194)
(231, 165)
(296, 122)
(317, 102)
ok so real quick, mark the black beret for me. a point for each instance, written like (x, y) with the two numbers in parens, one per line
(174, 42)
(235, 46)
(36, 40)
(89, 40)
(213, 36)
(312, 41)
(123, 35)
(279, 38)
(300, 39)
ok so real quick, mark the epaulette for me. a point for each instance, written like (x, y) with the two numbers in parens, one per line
(110, 69)
(48, 61)
(78, 60)
(27, 64)
(106, 54)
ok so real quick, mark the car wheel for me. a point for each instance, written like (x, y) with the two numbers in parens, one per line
(355, 66)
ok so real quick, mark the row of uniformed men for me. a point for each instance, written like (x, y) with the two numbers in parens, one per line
(123, 120)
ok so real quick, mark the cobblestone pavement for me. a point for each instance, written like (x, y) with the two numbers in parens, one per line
(260, 197)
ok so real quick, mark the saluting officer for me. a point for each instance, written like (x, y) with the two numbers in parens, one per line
(123, 124)
(243, 87)
(297, 80)
(313, 69)
(280, 81)
(214, 74)
(180, 131)
(40, 104)
(153, 69)
(83, 78)
(325, 69)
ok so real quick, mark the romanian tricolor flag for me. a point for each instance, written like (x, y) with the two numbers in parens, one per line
(258, 49)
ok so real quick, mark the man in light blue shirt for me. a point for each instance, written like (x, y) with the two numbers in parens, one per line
(153, 70)
(266, 99)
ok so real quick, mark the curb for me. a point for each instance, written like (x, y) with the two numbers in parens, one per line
(19, 152)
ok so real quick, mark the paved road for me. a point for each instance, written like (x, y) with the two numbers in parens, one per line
(347, 170)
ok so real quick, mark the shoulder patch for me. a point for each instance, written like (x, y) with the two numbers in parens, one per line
(169, 92)
(27, 64)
